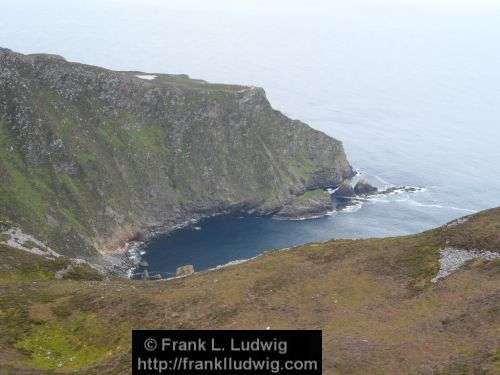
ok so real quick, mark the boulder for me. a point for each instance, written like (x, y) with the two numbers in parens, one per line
(184, 270)
(400, 189)
(364, 188)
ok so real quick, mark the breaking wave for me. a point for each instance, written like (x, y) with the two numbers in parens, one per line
(390, 193)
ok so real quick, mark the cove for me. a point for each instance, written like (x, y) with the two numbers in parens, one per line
(219, 240)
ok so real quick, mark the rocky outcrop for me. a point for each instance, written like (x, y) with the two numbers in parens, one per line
(91, 158)
(401, 189)
(184, 270)
(451, 259)
(312, 204)
(364, 188)
(345, 190)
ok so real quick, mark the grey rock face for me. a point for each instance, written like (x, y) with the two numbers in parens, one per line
(90, 157)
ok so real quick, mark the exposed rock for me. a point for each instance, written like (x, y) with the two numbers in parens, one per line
(184, 270)
(16, 238)
(117, 154)
(61, 273)
(364, 188)
(457, 222)
(400, 189)
(452, 259)
(312, 204)
(345, 190)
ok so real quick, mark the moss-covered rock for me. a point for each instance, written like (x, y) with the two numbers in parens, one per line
(364, 188)
(311, 204)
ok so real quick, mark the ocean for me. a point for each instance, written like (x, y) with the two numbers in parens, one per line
(411, 88)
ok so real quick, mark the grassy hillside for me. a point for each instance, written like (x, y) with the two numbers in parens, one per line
(373, 299)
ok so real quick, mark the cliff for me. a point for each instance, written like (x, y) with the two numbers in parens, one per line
(90, 158)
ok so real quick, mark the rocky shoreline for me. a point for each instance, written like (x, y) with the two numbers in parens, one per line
(310, 205)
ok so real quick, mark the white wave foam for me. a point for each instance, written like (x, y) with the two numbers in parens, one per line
(378, 199)
(230, 263)
(356, 206)
(331, 191)
(438, 206)
(302, 218)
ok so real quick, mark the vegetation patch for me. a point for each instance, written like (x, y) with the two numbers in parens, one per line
(82, 272)
(270, 284)
(412, 258)
(222, 314)
(69, 344)
(311, 195)
(19, 265)
(5, 225)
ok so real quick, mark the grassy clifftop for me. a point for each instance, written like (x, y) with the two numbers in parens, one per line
(90, 157)
(374, 300)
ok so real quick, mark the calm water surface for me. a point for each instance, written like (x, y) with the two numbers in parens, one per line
(411, 88)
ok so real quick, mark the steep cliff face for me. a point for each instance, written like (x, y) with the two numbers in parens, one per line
(89, 157)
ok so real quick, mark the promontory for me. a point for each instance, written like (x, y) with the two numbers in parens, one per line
(91, 158)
